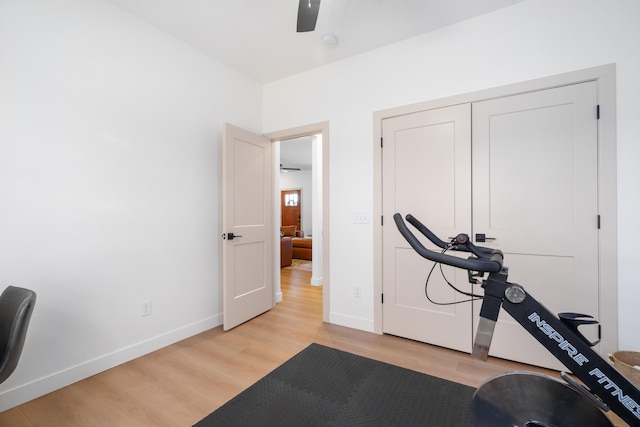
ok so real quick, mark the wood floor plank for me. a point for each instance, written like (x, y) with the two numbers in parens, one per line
(182, 383)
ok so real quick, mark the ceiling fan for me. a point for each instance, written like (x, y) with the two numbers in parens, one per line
(285, 170)
(307, 15)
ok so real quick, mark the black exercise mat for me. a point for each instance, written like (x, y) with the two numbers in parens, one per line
(322, 386)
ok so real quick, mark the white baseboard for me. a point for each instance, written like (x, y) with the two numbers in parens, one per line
(351, 322)
(316, 281)
(26, 392)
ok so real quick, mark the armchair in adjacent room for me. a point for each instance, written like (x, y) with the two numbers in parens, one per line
(302, 246)
(286, 251)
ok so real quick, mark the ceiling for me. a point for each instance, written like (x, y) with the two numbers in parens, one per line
(258, 37)
(296, 153)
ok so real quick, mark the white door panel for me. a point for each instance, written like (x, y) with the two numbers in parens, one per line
(247, 213)
(535, 191)
(424, 175)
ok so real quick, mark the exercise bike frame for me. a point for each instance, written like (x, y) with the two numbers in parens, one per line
(559, 337)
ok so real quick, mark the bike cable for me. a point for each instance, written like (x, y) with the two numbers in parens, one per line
(473, 297)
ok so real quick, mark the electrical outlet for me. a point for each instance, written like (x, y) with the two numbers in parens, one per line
(145, 307)
(357, 291)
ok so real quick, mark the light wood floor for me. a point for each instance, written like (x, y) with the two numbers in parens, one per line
(182, 383)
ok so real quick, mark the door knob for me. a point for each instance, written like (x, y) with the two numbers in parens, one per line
(230, 236)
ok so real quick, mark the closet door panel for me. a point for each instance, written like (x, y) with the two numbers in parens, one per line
(426, 169)
(535, 191)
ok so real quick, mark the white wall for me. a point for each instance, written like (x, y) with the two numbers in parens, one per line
(109, 185)
(526, 41)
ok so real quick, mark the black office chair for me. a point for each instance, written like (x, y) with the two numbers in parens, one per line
(16, 306)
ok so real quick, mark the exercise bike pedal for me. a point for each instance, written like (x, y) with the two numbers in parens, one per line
(573, 320)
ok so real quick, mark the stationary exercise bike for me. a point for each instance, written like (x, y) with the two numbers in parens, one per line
(524, 398)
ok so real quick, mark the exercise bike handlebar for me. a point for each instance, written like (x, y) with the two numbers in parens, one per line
(486, 260)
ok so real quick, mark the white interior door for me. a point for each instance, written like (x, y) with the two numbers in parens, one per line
(426, 168)
(535, 183)
(247, 213)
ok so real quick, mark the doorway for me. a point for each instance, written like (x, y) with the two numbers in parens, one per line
(316, 224)
(300, 199)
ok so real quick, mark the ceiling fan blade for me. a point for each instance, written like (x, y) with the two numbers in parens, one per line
(307, 15)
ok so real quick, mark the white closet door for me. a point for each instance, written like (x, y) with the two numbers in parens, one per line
(535, 191)
(426, 169)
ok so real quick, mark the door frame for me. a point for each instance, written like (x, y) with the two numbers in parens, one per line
(605, 76)
(321, 128)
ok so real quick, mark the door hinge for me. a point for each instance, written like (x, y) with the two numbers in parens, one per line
(598, 222)
(381, 142)
(597, 112)
(381, 219)
(382, 298)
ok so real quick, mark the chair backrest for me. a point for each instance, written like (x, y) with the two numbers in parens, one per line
(16, 306)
